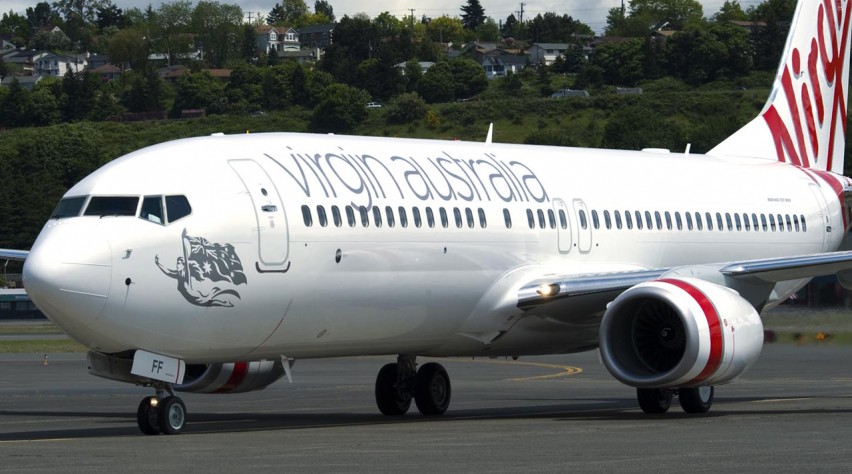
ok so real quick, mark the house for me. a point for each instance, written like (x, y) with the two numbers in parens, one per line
(57, 65)
(276, 38)
(23, 60)
(316, 36)
(107, 72)
(97, 60)
(424, 66)
(503, 64)
(26, 82)
(302, 56)
(6, 45)
(546, 53)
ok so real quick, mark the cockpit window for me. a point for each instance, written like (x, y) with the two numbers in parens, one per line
(69, 207)
(177, 207)
(112, 206)
(152, 209)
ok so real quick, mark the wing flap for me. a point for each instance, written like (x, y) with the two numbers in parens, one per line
(774, 270)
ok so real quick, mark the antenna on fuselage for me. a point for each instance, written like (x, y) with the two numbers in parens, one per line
(490, 133)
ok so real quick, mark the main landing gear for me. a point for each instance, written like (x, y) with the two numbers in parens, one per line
(163, 413)
(397, 384)
(692, 400)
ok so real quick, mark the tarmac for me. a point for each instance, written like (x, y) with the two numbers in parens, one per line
(791, 413)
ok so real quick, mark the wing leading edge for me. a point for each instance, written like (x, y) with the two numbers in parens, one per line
(8, 254)
(768, 271)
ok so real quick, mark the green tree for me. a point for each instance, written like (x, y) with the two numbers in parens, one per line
(341, 109)
(16, 26)
(16, 105)
(406, 108)
(41, 15)
(51, 41)
(199, 90)
(468, 76)
(621, 63)
(245, 87)
(45, 107)
(412, 75)
(473, 14)
(730, 11)
(637, 127)
(218, 28)
(129, 47)
(324, 8)
(437, 85)
(553, 28)
(445, 30)
(288, 12)
(78, 95)
(110, 15)
(678, 13)
(86, 10)
(770, 36)
(146, 92)
(170, 29)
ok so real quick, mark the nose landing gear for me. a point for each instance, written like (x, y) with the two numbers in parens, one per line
(163, 413)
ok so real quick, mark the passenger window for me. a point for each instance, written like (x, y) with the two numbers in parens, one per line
(323, 220)
(746, 224)
(430, 217)
(617, 216)
(389, 216)
(688, 220)
(531, 218)
(668, 221)
(804, 226)
(482, 222)
(365, 216)
(350, 216)
(772, 222)
(377, 216)
(754, 223)
(678, 222)
(698, 224)
(638, 220)
(540, 214)
(796, 222)
(607, 220)
(763, 222)
(737, 219)
(177, 207)
(403, 218)
(445, 221)
(780, 223)
(596, 223)
(729, 221)
(628, 219)
(648, 224)
(335, 214)
(709, 220)
(789, 223)
(152, 210)
(563, 219)
(112, 206)
(469, 215)
(551, 218)
(69, 207)
(583, 222)
(659, 220)
(306, 216)
(507, 217)
(457, 216)
(415, 211)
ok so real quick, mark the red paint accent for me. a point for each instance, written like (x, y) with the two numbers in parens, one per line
(809, 121)
(817, 89)
(236, 378)
(717, 343)
(837, 187)
(780, 135)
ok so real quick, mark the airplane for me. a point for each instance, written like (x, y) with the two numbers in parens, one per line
(212, 264)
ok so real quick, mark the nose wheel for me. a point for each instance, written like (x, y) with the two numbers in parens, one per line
(162, 413)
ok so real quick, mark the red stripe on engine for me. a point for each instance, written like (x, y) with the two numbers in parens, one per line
(236, 378)
(714, 360)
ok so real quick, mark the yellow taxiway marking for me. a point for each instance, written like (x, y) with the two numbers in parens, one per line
(777, 400)
(564, 370)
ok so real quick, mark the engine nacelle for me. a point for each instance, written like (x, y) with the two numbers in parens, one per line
(236, 377)
(679, 332)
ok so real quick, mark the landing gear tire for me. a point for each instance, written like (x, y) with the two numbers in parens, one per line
(432, 389)
(696, 399)
(654, 400)
(146, 416)
(391, 398)
(171, 413)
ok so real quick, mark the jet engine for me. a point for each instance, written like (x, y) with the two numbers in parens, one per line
(236, 377)
(679, 332)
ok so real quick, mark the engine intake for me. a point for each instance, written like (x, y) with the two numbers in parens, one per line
(679, 332)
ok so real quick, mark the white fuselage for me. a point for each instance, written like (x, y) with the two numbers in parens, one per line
(332, 289)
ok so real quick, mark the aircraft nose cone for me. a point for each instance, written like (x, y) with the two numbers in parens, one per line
(67, 273)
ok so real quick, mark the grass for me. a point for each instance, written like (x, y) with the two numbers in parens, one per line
(45, 346)
(29, 329)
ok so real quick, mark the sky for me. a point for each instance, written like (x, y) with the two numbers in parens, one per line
(591, 12)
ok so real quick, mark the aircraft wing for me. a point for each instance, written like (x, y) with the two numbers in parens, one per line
(6, 254)
(736, 275)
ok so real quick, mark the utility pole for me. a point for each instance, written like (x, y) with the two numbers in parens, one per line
(521, 13)
(412, 19)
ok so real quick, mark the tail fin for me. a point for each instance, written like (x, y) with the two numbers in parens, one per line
(804, 120)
